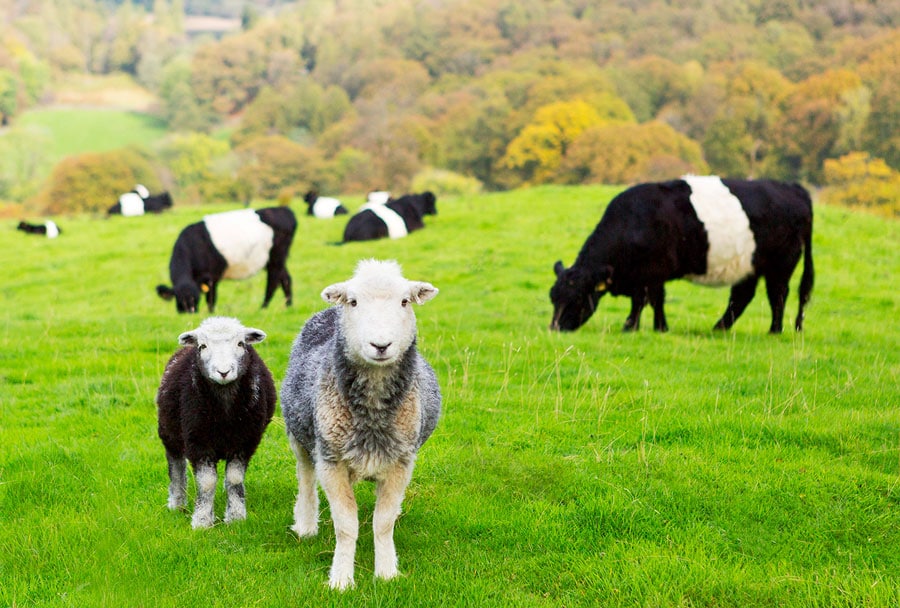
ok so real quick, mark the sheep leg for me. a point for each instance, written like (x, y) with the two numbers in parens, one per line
(389, 493)
(306, 509)
(236, 507)
(206, 479)
(335, 481)
(177, 481)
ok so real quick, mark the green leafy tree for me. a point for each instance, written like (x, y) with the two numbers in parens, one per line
(198, 164)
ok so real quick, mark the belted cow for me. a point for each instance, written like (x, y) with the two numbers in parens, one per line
(711, 231)
(230, 245)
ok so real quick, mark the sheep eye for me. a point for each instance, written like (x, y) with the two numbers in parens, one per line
(241, 344)
(404, 302)
(353, 303)
(201, 346)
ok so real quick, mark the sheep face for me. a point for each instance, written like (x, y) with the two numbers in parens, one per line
(378, 322)
(221, 347)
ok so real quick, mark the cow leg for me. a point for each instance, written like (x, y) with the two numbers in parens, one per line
(286, 283)
(657, 296)
(741, 295)
(211, 297)
(777, 288)
(273, 277)
(638, 301)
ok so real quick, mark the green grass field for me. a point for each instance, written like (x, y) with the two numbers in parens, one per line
(587, 469)
(78, 130)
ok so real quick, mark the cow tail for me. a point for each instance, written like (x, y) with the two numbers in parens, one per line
(808, 277)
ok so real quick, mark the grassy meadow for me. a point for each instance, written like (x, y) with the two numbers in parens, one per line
(86, 129)
(593, 468)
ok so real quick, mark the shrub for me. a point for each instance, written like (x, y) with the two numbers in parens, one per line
(856, 180)
(445, 183)
(93, 181)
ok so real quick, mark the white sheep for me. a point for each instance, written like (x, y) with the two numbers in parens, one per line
(215, 400)
(359, 401)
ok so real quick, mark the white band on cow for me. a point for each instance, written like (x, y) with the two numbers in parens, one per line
(731, 241)
(52, 229)
(325, 206)
(395, 224)
(132, 204)
(243, 240)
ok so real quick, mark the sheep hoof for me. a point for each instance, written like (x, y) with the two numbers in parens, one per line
(305, 531)
(341, 583)
(235, 515)
(387, 573)
(200, 521)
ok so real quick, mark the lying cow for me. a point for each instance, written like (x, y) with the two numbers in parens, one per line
(394, 219)
(323, 207)
(139, 201)
(708, 230)
(48, 229)
(230, 245)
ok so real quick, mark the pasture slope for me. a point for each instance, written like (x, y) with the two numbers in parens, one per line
(587, 469)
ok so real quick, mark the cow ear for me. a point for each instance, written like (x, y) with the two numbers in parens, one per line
(165, 292)
(188, 338)
(254, 336)
(335, 294)
(605, 279)
(421, 292)
(558, 268)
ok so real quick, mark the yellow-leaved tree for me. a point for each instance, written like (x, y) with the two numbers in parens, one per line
(860, 181)
(535, 154)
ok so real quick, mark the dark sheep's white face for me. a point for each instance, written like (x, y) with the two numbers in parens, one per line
(222, 347)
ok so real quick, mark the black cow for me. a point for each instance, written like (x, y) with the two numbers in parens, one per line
(230, 245)
(133, 203)
(394, 219)
(48, 229)
(708, 230)
(323, 207)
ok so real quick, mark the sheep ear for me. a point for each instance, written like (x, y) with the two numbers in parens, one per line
(421, 292)
(187, 338)
(254, 336)
(335, 294)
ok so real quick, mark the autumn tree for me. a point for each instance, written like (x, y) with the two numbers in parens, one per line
(821, 118)
(535, 154)
(859, 181)
(628, 153)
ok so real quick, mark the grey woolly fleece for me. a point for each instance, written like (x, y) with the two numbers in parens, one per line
(365, 415)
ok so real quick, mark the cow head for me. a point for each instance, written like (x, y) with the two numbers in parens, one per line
(575, 295)
(186, 294)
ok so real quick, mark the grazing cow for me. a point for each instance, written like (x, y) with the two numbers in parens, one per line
(230, 245)
(708, 230)
(394, 219)
(323, 207)
(139, 201)
(48, 229)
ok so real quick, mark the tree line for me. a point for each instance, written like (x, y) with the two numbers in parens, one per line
(349, 95)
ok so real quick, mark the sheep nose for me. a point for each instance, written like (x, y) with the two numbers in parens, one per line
(381, 348)
(223, 374)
